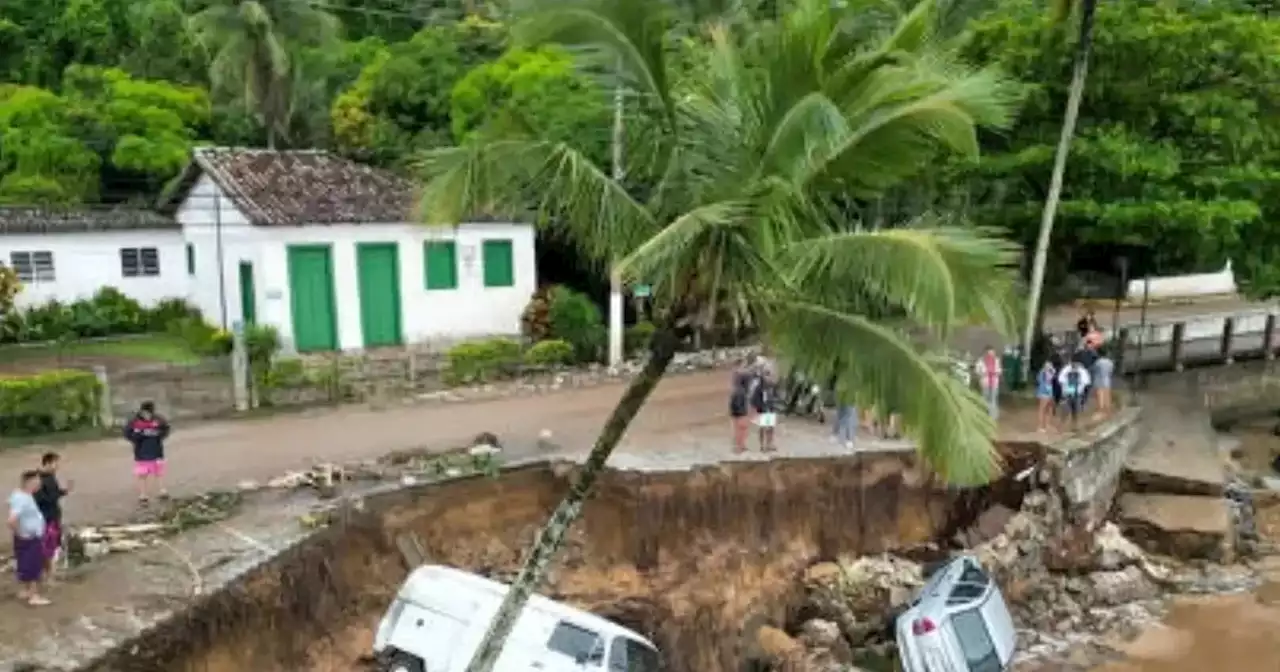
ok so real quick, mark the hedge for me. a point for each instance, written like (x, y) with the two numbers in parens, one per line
(480, 361)
(550, 353)
(48, 402)
(108, 313)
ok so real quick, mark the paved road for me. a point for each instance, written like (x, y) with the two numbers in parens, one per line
(221, 454)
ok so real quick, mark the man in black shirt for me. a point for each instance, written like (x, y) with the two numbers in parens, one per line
(49, 499)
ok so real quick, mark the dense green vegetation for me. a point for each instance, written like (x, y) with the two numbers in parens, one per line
(1176, 146)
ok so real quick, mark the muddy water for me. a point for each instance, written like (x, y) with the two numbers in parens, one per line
(1204, 633)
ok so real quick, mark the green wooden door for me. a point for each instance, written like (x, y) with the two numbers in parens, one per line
(248, 295)
(379, 286)
(315, 324)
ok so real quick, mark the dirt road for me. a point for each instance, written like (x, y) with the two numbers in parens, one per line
(221, 454)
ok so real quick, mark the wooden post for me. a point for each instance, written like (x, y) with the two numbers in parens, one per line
(1121, 345)
(106, 415)
(1228, 337)
(1269, 338)
(1175, 346)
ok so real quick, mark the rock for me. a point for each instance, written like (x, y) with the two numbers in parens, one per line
(1122, 586)
(1178, 525)
(817, 632)
(248, 486)
(1271, 483)
(1114, 550)
(776, 645)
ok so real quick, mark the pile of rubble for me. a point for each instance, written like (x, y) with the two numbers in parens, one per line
(1069, 596)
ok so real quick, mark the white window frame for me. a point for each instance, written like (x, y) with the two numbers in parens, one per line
(140, 267)
(33, 266)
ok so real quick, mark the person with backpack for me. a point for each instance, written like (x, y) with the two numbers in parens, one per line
(739, 404)
(1074, 380)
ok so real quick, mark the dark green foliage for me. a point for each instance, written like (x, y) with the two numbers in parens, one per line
(575, 319)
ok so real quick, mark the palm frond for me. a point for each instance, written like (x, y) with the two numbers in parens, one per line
(617, 39)
(570, 195)
(878, 367)
(940, 277)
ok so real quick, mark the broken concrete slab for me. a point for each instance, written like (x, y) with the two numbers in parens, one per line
(1178, 525)
(1179, 457)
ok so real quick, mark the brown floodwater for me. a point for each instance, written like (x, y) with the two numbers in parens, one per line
(1236, 632)
(1205, 633)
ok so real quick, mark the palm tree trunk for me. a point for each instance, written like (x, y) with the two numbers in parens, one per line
(1079, 73)
(552, 535)
(615, 283)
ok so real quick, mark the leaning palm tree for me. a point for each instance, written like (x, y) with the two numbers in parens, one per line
(749, 165)
(250, 46)
(1079, 73)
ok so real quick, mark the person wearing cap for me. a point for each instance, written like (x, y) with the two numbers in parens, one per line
(147, 431)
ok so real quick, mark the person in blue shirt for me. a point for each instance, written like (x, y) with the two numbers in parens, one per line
(1045, 381)
(27, 524)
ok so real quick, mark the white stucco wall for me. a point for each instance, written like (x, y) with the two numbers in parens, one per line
(426, 315)
(83, 263)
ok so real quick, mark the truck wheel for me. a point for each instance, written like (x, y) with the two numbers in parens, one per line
(403, 662)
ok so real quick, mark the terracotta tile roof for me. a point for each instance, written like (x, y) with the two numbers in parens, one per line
(35, 219)
(291, 188)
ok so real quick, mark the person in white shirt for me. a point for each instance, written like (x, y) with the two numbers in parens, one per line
(1074, 381)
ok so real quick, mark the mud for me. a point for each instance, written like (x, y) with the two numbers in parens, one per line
(640, 555)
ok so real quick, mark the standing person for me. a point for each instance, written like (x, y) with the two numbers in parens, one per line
(1088, 322)
(990, 371)
(1103, 373)
(1045, 381)
(739, 405)
(1074, 379)
(1087, 356)
(763, 402)
(49, 500)
(147, 432)
(27, 525)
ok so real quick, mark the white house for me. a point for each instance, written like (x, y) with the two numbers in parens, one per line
(322, 248)
(71, 254)
(326, 250)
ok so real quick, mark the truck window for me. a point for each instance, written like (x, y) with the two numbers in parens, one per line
(576, 642)
(628, 655)
(975, 641)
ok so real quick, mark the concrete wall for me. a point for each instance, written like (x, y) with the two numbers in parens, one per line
(426, 315)
(83, 263)
(1088, 468)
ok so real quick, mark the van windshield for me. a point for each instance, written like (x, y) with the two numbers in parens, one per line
(628, 655)
(975, 641)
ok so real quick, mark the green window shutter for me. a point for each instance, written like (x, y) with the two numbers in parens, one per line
(499, 264)
(441, 259)
(191, 259)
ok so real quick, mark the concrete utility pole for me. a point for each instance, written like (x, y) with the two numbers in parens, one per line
(615, 282)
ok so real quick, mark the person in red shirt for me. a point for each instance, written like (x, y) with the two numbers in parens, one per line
(990, 371)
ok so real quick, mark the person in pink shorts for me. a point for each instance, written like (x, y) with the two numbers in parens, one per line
(147, 432)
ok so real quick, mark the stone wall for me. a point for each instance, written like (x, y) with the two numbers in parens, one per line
(1087, 468)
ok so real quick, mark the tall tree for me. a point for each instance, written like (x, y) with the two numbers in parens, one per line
(749, 161)
(1079, 72)
(252, 47)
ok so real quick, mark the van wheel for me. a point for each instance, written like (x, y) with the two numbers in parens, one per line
(403, 662)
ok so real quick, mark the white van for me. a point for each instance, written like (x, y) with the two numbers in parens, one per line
(958, 623)
(441, 614)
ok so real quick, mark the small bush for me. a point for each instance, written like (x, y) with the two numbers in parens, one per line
(552, 352)
(637, 337)
(575, 318)
(262, 342)
(168, 311)
(479, 361)
(49, 402)
(204, 339)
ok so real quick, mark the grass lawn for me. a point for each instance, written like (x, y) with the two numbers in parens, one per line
(144, 348)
